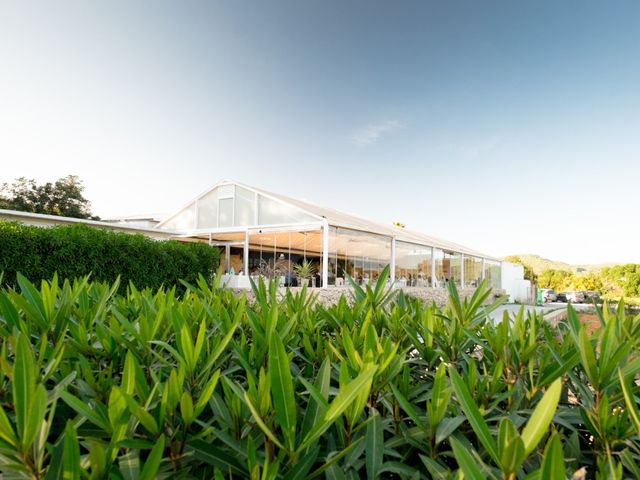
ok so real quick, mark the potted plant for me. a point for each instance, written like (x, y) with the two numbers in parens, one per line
(304, 271)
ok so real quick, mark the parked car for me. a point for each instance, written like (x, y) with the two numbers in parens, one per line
(562, 297)
(548, 295)
(575, 297)
(591, 296)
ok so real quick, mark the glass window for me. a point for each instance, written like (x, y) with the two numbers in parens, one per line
(225, 217)
(448, 267)
(472, 271)
(208, 210)
(275, 254)
(455, 265)
(360, 255)
(184, 220)
(413, 265)
(244, 207)
(271, 212)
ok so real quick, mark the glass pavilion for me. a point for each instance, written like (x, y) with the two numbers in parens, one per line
(261, 232)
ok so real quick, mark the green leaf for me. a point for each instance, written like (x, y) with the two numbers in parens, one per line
(347, 395)
(144, 417)
(37, 412)
(117, 409)
(317, 406)
(71, 454)
(128, 382)
(375, 445)
(129, 464)
(32, 301)
(282, 391)
(186, 408)
(539, 421)
(301, 469)
(331, 459)
(260, 422)
(6, 430)
(553, 461)
(467, 463)
(152, 464)
(83, 409)
(206, 393)
(97, 460)
(212, 455)
(24, 386)
(588, 357)
(186, 345)
(407, 407)
(632, 408)
(447, 426)
(473, 415)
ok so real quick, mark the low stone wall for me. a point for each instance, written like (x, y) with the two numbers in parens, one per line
(331, 295)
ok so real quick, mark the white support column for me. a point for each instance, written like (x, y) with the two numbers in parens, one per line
(483, 268)
(245, 253)
(433, 267)
(325, 254)
(392, 265)
(462, 270)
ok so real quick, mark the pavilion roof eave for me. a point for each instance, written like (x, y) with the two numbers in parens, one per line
(302, 226)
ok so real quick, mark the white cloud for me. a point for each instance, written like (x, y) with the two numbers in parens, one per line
(370, 134)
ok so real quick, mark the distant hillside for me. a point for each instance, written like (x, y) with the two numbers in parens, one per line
(539, 264)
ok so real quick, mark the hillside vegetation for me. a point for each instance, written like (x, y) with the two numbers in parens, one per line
(611, 281)
(539, 264)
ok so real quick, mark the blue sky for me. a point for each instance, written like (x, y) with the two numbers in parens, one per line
(510, 127)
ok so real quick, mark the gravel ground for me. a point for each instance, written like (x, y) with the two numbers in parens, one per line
(331, 295)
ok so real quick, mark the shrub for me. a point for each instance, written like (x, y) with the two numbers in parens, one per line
(100, 385)
(78, 250)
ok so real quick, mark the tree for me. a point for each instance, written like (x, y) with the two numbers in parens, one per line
(556, 279)
(62, 198)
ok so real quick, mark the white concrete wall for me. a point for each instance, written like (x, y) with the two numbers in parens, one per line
(513, 282)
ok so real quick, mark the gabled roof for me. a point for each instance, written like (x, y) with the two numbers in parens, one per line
(338, 218)
(341, 219)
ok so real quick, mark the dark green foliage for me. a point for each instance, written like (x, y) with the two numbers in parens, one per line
(79, 250)
(97, 385)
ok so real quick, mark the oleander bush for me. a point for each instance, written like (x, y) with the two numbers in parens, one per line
(155, 384)
(77, 250)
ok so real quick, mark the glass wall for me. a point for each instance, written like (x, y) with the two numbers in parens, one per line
(208, 210)
(448, 266)
(235, 206)
(276, 254)
(492, 272)
(438, 261)
(360, 255)
(184, 220)
(472, 271)
(455, 267)
(244, 207)
(413, 265)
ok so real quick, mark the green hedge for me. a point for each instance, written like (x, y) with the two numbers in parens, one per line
(78, 250)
